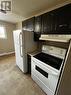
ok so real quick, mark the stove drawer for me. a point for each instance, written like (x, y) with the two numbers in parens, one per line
(48, 77)
(42, 85)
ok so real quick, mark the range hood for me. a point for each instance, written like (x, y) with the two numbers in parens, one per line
(57, 38)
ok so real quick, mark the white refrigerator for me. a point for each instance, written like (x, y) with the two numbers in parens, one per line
(23, 43)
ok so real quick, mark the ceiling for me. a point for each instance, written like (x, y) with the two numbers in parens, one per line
(22, 9)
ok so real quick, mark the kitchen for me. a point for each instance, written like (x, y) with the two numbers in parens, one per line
(42, 49)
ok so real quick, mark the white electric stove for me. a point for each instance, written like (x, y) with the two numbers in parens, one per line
(46, 67)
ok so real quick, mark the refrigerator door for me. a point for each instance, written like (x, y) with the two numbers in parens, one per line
(19, 50)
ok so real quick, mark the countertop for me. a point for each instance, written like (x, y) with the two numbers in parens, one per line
(33, 53)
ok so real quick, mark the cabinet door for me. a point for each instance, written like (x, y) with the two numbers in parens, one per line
(46, 23)
(29, 63)
(37, 28)
(53, 22)
(30, 24)
(38, 24)
(63, 15)
(24, 25)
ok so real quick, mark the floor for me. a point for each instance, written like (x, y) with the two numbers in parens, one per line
(13, 81)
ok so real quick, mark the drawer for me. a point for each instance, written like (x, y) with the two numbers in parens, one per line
(42, 85)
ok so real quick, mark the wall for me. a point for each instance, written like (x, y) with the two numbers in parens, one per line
(7, 45)
(19, 25)
(31, 45)
(64, 87)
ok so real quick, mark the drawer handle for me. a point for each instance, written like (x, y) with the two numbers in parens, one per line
(62, 25)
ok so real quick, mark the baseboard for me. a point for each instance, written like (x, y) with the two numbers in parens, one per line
(7, 53)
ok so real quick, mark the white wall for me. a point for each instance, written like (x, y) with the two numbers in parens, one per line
(7, 45)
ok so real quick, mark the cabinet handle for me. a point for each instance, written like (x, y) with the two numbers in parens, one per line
(62, 25)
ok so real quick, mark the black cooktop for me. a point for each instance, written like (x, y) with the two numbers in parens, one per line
(50, 60)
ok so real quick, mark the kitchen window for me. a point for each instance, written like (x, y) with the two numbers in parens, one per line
(3, 32)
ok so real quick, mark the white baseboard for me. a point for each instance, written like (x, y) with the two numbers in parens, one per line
(7, 53)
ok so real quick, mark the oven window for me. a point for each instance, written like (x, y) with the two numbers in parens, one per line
(41, 71)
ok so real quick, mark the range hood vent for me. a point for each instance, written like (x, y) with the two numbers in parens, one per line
(57, 38)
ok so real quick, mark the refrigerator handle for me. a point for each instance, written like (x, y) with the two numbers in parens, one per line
(20, 35)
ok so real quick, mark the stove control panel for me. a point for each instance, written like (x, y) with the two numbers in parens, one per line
(55, 51)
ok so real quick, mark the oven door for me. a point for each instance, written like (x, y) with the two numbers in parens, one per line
(48, 77)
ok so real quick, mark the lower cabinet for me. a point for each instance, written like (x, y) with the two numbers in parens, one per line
(29, 63)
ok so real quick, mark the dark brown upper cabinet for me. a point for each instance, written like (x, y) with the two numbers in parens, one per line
(24, 25)
(28, 24)
(47, 23)
(38, 24)
(37, 27)
(63, 20)
(57, 21)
